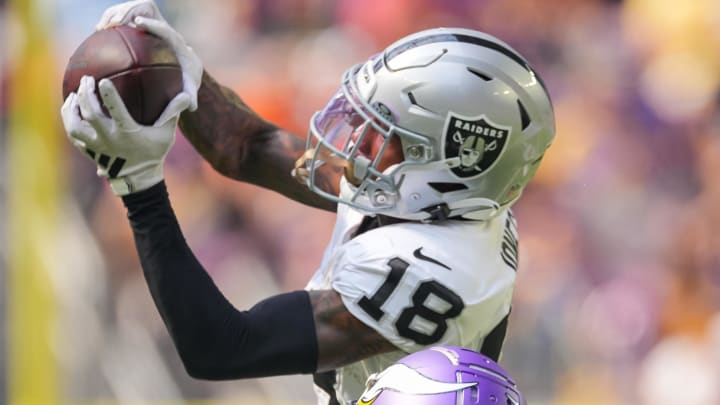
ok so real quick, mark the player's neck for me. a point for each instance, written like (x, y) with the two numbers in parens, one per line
(386, 220)
(369, 222)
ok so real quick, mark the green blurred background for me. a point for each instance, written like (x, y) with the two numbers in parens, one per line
(618, 292)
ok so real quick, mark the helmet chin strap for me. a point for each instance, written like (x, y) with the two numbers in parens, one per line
(478, 209)
(490, 210)
(475, 208)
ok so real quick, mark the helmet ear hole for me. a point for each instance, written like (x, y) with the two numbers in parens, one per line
(524, 117)
(447, 187)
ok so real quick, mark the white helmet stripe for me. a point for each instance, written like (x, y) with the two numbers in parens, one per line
(401, 378)
(457, 37)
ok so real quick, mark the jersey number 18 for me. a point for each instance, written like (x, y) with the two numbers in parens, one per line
(372, 305)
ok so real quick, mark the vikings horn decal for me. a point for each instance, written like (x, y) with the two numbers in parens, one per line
(478, 142)
(451, 355)
(402, 378)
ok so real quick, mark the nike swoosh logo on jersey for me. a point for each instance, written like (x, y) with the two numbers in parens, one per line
(417, 253)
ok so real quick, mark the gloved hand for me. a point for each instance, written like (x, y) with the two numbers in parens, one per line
(128, 154)
(144, 14)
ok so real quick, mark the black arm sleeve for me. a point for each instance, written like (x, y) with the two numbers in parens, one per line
(216, 341)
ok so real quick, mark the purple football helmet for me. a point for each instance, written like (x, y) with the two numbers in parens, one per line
(442, 375)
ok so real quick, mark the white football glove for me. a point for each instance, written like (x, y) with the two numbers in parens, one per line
(125, 13)
(144, 14)
(128, 154)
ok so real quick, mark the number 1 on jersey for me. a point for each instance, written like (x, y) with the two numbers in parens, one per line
(372, 305)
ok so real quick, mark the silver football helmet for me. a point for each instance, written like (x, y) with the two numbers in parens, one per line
(446, 122)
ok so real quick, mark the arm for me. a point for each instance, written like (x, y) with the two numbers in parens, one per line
(342, 338)
(298, 332)
(241, 145)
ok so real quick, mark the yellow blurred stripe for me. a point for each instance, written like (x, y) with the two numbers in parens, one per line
(34, 184)
(244, 401)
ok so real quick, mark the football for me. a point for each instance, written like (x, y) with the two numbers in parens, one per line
(142, 66)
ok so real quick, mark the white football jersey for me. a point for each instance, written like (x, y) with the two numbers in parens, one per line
(418, 284)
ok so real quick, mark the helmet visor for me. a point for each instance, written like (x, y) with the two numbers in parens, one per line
(348, 135)
(349, 130)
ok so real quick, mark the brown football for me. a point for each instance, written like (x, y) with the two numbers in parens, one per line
(142, 66)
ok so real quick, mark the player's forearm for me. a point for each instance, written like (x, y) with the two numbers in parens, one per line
(215, 340)
(223, 128)
(241, 145)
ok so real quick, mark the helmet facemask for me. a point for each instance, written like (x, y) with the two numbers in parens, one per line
(362, 140)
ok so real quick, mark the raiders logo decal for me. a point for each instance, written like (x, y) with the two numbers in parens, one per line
(478, 142)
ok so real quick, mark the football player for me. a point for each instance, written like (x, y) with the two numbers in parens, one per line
(421, 152)
(442, 375)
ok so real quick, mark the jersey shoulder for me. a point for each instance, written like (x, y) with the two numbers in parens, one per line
(451, 245)
(411, 281)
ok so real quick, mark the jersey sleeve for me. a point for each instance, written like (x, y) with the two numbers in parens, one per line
(214, 339)
(414, 303)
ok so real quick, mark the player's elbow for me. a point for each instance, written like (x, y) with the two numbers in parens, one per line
(232, 166)
(207, 368)
(199, 371)
(216, 356)
(243, 158)
(202, 371)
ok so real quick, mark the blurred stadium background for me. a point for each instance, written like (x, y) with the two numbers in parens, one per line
(618, 292)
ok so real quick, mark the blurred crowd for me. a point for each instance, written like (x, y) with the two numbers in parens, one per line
(618, 292)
